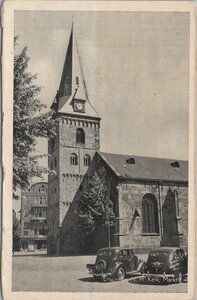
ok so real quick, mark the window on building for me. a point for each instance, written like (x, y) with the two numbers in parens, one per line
(176, 197)
(150, 214)
(25, 232)
(40, 214)
(80, 136)
(55, 162)
(35, 231)
(86, 160)
(51, 165)
(74, 159)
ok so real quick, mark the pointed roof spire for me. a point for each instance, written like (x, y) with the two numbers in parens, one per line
(72, 85)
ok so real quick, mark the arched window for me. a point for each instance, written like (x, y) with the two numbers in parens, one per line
(80, 136)
(74, 159)
(149, 214)
(86, 160)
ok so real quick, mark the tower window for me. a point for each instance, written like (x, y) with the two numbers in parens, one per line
(55, 162)
(74, 159)
(150, 214)
(86, 160)
(80, 136)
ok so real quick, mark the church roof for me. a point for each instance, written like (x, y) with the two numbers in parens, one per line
(146, 168)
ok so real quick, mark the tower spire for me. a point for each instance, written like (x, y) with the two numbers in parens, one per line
(72, 89)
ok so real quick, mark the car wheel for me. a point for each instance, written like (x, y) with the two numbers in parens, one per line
(120, 273)
(179, 277)
(101, 265)
(97, 278)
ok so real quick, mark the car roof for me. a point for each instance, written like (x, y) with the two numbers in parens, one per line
(115, 248)
(167, 249)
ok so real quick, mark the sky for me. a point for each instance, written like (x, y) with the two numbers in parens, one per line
(136, 66)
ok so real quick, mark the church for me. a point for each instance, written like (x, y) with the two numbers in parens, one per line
(149, 195)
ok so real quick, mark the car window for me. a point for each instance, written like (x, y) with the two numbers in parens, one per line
(158, 255)
(177, 255)
(131, 253)
(181, 254)
(123, 253)
(105, 253)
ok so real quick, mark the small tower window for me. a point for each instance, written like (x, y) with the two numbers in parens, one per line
(130, 161)
(175, 164)
(55, 162)
(74, 159)
(86, 160)
(80, 136)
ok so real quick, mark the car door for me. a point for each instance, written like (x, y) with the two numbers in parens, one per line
(176, 261)
(132, 263)
(182, 260)
(123, 258)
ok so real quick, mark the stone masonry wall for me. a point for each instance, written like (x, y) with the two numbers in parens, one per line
(73, 239)
(173, 229)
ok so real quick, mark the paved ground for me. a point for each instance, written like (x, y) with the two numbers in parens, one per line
(41, 273)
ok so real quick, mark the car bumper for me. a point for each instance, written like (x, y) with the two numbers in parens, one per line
(102, 274)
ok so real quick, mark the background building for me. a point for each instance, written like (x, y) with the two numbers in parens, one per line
(34, 216)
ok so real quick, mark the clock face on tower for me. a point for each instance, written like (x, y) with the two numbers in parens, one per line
(79, 106)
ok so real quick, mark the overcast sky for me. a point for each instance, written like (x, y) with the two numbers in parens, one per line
(136, 66)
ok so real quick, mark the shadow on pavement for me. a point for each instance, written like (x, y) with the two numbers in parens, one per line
(88, 279)
(33, 254)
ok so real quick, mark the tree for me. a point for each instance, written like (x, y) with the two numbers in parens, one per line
(30, 122)
(95, 208)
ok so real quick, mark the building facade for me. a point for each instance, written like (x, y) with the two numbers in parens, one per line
(149, 195)
(34, 216)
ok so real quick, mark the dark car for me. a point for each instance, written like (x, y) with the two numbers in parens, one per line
(166, 264)
(114, 263)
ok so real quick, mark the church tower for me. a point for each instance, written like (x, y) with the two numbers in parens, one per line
(73, 147)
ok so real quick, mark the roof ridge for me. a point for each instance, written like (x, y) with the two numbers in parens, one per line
(140, 156)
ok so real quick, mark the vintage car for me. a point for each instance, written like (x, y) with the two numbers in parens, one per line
(113, 263)
(166, 264)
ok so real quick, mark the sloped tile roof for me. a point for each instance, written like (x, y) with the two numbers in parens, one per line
(146, 168)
